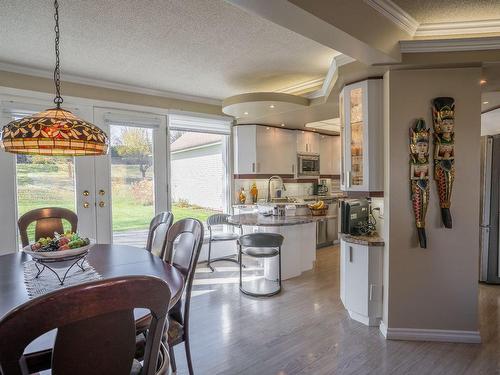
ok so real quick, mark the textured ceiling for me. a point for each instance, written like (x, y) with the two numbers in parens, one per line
(432, 11)
(207, 48)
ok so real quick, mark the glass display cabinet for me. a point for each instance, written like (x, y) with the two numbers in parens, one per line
(362, 136)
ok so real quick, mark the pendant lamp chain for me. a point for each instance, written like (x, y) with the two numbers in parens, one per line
(55, 131)
(57, 72)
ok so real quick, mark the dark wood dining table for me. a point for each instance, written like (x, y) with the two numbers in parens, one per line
(108, 260)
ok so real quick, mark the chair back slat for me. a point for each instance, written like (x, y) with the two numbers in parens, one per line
(217, 219)
(157, 236)
(96, 328)
(261, 240)
(184, 242)
(47, 221)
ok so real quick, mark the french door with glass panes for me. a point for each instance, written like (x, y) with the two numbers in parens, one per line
(131, 181)
(115, 196)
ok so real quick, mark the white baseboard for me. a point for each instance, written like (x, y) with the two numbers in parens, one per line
(412, 334)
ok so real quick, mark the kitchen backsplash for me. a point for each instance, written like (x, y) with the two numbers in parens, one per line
(293, 189)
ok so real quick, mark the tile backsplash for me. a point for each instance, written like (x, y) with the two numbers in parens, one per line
(293, 189)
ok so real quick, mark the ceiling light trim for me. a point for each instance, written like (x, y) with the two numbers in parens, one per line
(42, 73)
(450, 45)
(458, 28)
(394, 13)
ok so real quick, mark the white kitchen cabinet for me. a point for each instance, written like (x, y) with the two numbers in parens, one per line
(329, 155)
(308, 142)
(362, 136)
(264, 150)
(361, 275)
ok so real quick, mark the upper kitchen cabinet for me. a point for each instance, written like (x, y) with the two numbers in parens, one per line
(329, 155)
(308, 142)
(362, 137)
(264, 150)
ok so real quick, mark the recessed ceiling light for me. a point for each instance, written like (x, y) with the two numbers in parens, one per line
(245, 113)
(267, 128)
(282, 124)
(485, 102)
(482, 82)
(303, 132)
(271, 106)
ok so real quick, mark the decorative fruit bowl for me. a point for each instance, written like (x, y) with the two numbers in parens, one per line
(319, 208)
(59, 252)
(60, 247)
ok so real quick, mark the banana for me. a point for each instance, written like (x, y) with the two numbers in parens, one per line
(317, 206)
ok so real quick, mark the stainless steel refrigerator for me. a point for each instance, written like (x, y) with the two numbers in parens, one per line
(489, 241)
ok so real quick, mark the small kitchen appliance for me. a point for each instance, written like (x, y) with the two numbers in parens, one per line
(308, 165)
(355, 214)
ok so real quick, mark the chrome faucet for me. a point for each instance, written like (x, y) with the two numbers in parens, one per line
(269, 186)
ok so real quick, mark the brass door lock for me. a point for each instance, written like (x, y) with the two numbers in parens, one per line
(86, 204)
(101, 204)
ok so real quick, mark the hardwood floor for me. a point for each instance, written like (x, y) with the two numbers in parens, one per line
(305, 330)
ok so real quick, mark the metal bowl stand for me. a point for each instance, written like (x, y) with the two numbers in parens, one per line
(42, 264)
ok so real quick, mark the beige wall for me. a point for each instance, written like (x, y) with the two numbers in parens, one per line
(27, 82)
(437, 287)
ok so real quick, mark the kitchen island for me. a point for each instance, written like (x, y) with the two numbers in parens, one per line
(299, 245)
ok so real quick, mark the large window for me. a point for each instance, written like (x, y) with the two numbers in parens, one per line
(198, 172)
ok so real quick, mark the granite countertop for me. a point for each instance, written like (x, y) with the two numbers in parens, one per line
(272, 221)
(371, 240)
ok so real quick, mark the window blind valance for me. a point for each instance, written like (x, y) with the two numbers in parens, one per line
(200, 124)
(132, 120)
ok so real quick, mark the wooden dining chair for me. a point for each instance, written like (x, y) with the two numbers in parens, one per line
(47, 221)
(95, 327)
(157, 236)
(184, 241)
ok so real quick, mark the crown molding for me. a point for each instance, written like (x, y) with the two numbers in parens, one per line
(325, 82)
(394, 13)
(13, 68)
(449, 45)
(407, 23)
(458, 28)
(303, 86)
(337, 62)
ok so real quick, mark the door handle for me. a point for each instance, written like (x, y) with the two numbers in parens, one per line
(102, 204)
(101, 192)
(86, 193)
(293, 168)
(253, 167)
(370, 298)
(86, 204)
(350, 254)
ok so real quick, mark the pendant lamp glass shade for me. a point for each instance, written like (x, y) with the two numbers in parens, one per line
(54, 132)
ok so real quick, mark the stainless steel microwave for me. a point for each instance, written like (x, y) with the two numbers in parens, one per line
(308, 165)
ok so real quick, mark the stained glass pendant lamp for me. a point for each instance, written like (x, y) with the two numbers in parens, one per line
(55, 131)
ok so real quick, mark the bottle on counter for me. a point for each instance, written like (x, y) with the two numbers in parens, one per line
(254, 192)
(242, 196)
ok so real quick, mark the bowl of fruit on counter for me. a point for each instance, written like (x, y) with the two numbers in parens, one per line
(59, 247)
(319, 208)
